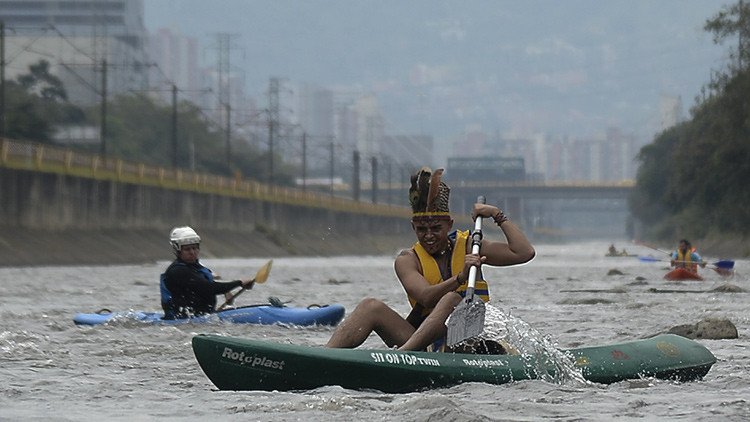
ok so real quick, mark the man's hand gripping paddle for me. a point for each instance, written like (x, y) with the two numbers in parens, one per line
(467, 320)
(260, 277)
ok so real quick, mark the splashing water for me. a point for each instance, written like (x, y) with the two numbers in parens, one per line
(540, 353)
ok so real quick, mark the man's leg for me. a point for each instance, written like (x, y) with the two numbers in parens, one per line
(433, 327)
(371, 315)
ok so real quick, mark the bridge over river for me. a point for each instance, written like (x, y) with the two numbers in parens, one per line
(546, 208)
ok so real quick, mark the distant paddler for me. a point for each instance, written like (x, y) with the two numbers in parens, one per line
(187, 287)
(612, 251)
(685, 256)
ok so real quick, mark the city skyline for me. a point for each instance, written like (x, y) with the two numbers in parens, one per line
(441, 82)
(572, 69)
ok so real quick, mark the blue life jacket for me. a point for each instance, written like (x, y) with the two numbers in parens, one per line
(166, 295)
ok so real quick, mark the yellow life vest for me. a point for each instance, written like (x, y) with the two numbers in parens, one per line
(685, 260)
(431, 271)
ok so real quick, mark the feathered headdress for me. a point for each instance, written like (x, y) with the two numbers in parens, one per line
(428, 195)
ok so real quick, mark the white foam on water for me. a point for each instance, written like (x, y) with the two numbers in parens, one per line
(540, 352)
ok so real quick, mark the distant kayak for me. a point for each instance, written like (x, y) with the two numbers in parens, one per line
(679, 274)
(256, 314)
(243, 364)
(618, 255)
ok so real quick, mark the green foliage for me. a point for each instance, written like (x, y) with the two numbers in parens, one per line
(35, 103)
(692, 178)
(138, 129)
(25, 117)
(42, 83)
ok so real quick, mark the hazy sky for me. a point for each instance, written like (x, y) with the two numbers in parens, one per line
(570, 67)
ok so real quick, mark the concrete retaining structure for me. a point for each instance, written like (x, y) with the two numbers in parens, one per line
(52, 200)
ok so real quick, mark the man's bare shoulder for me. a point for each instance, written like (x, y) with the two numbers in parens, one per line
(406, 258)
(406, 252)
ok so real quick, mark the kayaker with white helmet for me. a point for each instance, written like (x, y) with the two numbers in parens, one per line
(187, 287)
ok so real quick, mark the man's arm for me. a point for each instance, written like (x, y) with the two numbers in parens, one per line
(182, 278)
(698, 259)
(409, 274)
(517, 250)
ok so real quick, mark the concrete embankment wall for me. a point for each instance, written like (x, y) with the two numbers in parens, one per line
(58, 218)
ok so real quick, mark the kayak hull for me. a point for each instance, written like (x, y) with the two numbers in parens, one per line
(242, 364)
(260, 314)
(679, 274)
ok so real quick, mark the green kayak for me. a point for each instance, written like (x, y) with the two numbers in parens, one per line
(242, 364)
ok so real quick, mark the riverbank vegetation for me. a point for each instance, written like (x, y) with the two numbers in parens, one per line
(692, 180)
(138, 128)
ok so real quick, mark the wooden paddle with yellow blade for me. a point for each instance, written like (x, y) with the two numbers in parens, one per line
(260, 277)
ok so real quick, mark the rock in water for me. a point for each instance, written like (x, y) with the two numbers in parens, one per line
(709, 328)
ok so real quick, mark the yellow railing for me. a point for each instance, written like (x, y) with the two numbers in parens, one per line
(49, 159)
(583, 184)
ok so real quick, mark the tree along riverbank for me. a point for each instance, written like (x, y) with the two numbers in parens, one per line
(20, 247)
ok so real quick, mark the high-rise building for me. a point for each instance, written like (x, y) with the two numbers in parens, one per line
(86, 43)
(315, 111)
(370, 126)
(177, 58)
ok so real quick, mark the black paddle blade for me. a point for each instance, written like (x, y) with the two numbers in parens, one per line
(466, 321)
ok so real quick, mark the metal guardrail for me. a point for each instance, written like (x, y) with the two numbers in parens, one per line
(626, 183)
(50, 159)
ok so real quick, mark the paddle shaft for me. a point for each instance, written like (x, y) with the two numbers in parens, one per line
(467, 319)
(234, 296)
(653, 247)
(260, 277)
(476, 242)
(723, 264)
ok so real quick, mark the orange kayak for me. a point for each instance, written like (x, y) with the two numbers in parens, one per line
(682, 274)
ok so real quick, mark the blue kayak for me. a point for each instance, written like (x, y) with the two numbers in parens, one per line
(255, 314)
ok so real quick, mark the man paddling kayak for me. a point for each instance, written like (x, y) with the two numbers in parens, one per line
(187, 287)
(686, 257)
(434, 272)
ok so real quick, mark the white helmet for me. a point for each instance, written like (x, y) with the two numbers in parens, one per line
(183, 236)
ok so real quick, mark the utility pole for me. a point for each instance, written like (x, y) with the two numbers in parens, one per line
(174, 126)
(374, 165)
(331, 175)
(742, 35)
(304, 161)
(223, 41)
(355, 175)
(273, 121)
(2, 80)
(390, 183)
(229, 137)
(103, 110)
